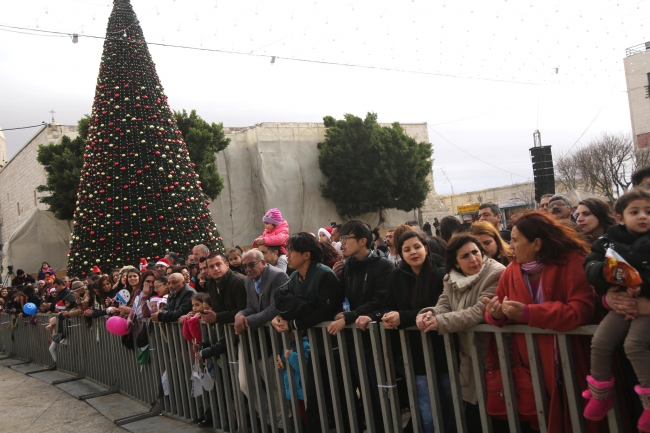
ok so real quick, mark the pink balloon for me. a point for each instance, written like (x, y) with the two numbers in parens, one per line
(117, 325)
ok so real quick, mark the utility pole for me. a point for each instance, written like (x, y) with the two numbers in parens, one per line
(452, 191)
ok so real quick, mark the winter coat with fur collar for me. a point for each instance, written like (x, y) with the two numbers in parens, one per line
(460, 307)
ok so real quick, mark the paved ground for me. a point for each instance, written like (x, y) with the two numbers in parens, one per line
(29, 404)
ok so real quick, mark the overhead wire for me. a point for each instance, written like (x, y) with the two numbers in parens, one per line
(476, 157)
(293, 59)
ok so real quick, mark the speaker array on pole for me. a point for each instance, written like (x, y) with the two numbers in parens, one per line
(543, 171)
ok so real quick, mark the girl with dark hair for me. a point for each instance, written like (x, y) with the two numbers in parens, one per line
(330, 255)
(115, 276)
(471, 277)
(593, 217)
(546, 287)
(416, 284)
(45, 271)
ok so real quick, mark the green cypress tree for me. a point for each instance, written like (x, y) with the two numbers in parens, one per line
(139, 195)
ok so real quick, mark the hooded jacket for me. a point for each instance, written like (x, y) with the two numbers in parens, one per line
(276, 237)
(365, 284)
(460, 307)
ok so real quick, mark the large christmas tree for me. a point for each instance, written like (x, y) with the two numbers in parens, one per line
(139, 195)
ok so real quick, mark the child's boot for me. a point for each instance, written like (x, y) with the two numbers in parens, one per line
(644, 421)
(600, 398)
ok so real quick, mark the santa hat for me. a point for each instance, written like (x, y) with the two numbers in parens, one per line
(60, 305)
(143, 264)
(155, 299)
(273, 216)
(163, 300)
(96, 270)
(163, 262)
(52, 290)
(325, 230)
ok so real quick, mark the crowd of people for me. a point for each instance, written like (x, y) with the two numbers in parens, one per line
(547, 268)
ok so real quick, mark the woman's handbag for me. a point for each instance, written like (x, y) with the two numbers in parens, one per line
(523, 383)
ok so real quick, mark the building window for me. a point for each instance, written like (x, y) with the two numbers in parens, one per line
(18, 208)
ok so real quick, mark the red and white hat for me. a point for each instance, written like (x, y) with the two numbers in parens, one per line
(143, 264)
(325, 230)
(60, 305)
(163, 262)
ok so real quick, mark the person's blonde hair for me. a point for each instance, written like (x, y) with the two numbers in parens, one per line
(485, 228)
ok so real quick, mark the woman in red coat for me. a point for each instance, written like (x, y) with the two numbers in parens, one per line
(546, 287)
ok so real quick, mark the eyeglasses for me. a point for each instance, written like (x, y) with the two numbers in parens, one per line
(251, 265)
(344, 239)
(158, 286)
(557, 204)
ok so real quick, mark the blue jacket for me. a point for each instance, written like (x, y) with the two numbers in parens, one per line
(295, 366)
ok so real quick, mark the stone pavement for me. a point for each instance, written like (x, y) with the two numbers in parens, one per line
(29, 404)
(32, 402)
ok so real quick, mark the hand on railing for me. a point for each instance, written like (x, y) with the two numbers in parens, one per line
(426, 322)
(241, 323)
(337, 325)
(494, 307)
(362, 322)
(280, 324)
(391, 320)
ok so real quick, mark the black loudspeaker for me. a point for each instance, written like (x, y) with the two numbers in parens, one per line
(543, 171)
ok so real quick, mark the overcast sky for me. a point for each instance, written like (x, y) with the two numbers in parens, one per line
(480, 73)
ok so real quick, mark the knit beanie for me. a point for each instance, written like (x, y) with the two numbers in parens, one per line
(326, 230)
(273, 216)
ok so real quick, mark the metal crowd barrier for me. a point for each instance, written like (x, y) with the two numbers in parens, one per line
(93, 353)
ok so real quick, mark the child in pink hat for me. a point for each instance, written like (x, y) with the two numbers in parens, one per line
(276, 231)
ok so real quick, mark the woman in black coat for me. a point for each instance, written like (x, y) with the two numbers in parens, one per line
(416, 284)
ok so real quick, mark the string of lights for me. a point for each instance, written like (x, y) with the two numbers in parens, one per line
(292, 59)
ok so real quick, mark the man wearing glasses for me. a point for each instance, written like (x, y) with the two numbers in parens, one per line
(560, 208)
(179, 300)
(364, 282)
(262, 282)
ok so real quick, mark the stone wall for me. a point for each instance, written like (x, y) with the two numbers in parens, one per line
(22, 175)
(637, 68)
(247, 163)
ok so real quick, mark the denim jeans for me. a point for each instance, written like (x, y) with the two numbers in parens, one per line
(446, 403)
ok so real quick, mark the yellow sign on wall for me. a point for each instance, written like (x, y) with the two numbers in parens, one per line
(468, 208)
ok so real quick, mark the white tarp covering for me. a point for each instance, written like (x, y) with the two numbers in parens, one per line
(276, 165)
(42, 238)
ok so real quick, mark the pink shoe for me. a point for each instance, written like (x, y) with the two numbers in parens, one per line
(644, 421)
(600, 399)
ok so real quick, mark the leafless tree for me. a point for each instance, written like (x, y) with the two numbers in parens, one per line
(565, 172)
(604, 166)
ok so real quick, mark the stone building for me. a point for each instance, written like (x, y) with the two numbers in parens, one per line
(3, 150)
(637, 78)
(266, 165)
(22, 175)
(511, 199)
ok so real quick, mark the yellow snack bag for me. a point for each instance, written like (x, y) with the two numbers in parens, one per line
(618, 271)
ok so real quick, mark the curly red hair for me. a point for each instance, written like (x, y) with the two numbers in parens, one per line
(557, 238)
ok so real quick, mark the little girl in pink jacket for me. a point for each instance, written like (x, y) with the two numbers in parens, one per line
(276, 231)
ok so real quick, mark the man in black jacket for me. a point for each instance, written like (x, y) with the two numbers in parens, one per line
(226, 290)
(318, 285)
(61, 292)
(179, 300)
(364, 284)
